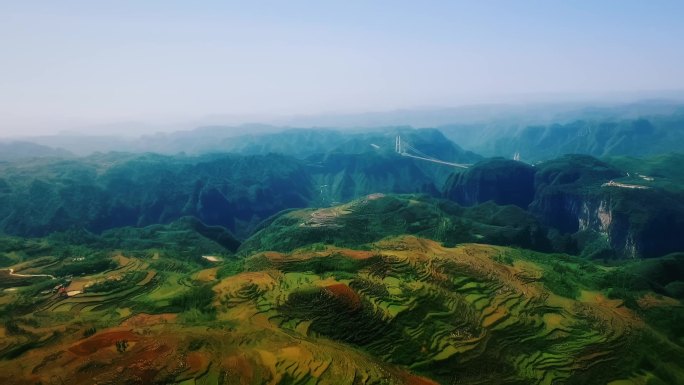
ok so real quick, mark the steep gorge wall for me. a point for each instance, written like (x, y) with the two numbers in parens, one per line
(568, 195)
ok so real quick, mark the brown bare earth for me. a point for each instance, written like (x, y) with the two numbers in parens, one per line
(649, 301)
(345, 293)
(207, 275)
(143, 320)
(101, 341)
(447, 307)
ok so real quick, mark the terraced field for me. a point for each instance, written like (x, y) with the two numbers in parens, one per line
(404, 310)
(455, 315)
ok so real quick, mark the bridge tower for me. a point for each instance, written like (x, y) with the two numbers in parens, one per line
(404, 148)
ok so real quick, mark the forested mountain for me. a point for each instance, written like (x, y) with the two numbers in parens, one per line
(23, 150)
(329, 249)
(105, 191)
(586, 205)
(537, 133)
(341, 193)
(606, 209)
(599, 137)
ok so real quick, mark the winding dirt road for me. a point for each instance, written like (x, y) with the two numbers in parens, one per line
(11, 272)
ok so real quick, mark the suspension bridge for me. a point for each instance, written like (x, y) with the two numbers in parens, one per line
(404, 148)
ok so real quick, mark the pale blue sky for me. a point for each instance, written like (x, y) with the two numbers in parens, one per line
(81, 62)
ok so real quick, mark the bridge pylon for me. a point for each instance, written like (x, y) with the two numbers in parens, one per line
(403, 148)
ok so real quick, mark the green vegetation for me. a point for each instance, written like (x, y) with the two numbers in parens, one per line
(662, 171)
(116, 284)
(196, 298)
(109, 191)
(102, 192)
(505, 182)
(369, 220)
(134, 274)
(442, 313)
(87, 266)
(619, 131)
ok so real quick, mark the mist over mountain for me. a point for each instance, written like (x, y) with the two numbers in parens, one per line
(236, 191)
(20, 150)
(536, 132)
(641, 136)
(583, 205)
(341, 193)
(383, 242)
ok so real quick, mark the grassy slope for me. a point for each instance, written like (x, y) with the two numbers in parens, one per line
(376, 216)
(403, 309)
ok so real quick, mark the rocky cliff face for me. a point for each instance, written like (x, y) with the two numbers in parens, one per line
(506, 182)
(635, 223)
(569, 196)
(597, 214)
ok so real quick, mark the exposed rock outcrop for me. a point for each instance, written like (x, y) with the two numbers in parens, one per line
(570, 196)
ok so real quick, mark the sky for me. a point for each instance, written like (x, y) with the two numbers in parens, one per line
(73, 64)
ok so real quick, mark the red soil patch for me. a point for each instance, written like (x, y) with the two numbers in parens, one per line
(330, 251)
(411, 379)
(649, 301)
(239, 367)
(78, 284)
(273, 255)
(103, 340)
(121, 260)
(196, 361)
(146, 363)
(345, 293)
(357, 254)
(142, 320)
(150, 352)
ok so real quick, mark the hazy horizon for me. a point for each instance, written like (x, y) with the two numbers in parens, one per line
(130, 68)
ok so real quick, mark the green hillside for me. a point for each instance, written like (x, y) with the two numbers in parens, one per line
(376, 216)
(617, 133)
(599, 208)
(295, 308)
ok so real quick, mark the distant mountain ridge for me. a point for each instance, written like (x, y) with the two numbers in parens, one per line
(589, 203)
(376, 216)
(23, 150)
(641, 136)
(105, 191)
(537, 132)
